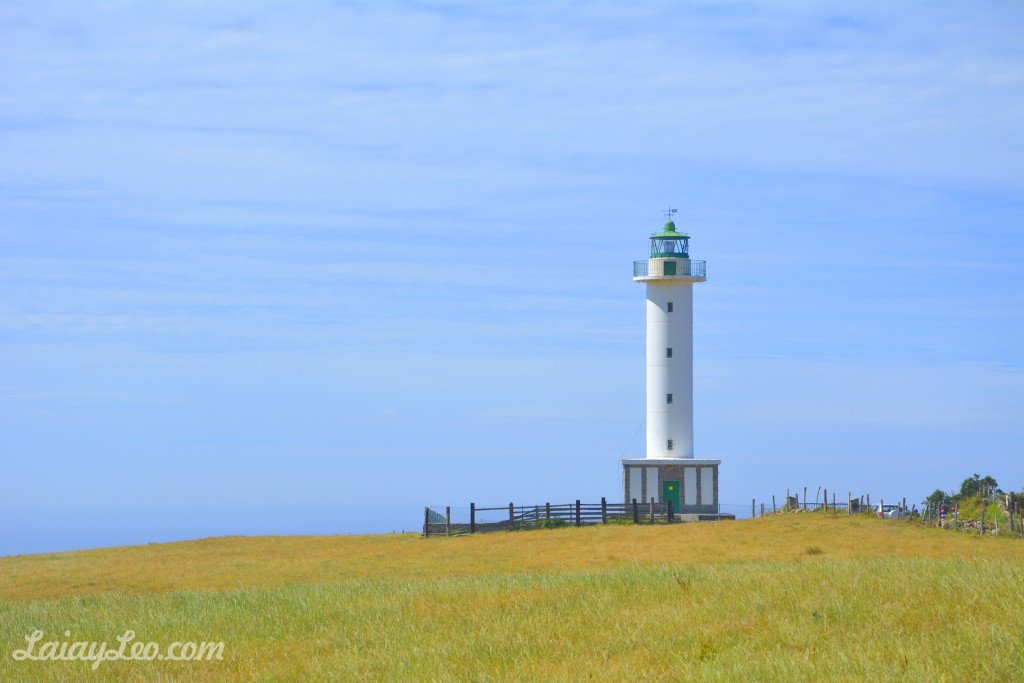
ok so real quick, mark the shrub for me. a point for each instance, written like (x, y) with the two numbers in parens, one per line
(555, 523)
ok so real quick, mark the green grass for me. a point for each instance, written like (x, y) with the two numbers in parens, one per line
(801, 598)
(970, 511)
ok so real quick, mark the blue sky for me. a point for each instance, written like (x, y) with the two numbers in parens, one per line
(307, 267)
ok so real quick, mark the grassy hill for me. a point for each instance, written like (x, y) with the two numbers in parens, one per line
(810, 596)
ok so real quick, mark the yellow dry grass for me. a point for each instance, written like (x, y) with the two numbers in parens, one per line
(248, 562)
(795, 597)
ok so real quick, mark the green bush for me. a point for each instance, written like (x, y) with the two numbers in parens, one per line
(555, 523)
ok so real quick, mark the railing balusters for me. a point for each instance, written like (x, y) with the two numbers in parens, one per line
(685, 267)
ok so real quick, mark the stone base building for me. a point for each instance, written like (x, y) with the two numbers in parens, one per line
(690, 484)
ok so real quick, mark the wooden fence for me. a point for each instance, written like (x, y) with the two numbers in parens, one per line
(935, 515)
(852, 505)
(547, 515)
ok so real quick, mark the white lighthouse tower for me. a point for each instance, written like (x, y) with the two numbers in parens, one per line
(670, 472)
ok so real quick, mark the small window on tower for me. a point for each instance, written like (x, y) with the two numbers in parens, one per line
(669, 306)
(670, 444)
(668, 398)
(668, 352)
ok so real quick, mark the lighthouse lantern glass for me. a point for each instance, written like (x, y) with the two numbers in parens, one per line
(670, 247)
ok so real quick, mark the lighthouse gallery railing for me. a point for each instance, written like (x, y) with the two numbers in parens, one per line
(684, 266)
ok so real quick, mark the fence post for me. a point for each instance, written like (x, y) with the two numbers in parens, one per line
(849, 500)
(652, 510)
(604, 510)
(472, 518)
(511, 516)
(578, 521)
(762, 509)
(672, 518)
(805, 499)
(881, 507)
(774, 509)
(447, 520)
(547, 510)
(636, 513)
(982, 517)
(826, 500)
(753, 508)
(426, 522)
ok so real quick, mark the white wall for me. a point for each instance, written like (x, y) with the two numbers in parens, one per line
(653, 486)
(634, 484)
(689, 486)
(707, 485)
(669, 375)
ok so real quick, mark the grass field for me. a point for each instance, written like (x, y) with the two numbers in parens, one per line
(805, 596)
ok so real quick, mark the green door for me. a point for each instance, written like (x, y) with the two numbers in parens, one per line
(670, 493)
(670, 269)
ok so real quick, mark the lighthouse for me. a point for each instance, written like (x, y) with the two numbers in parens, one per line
(670, 472)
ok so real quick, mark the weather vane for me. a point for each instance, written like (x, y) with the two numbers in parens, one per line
(669, 211)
